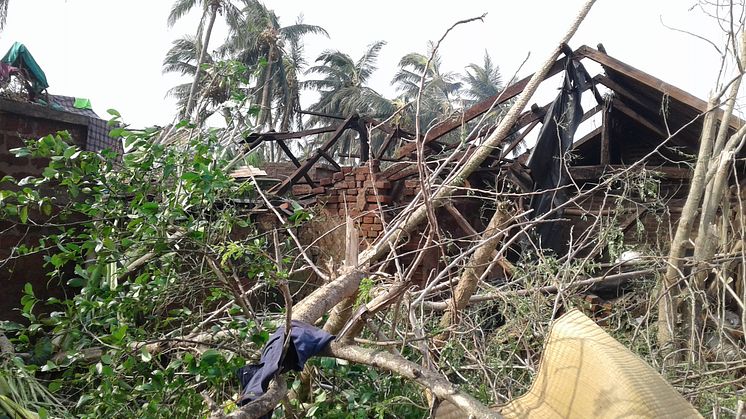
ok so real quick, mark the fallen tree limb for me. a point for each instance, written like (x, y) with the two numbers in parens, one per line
(550, 289)
(469, 280)
(310, 309)
(419, 214)
(325, 298)
(440, 387)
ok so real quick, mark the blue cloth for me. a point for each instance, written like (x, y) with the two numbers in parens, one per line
(305, 341)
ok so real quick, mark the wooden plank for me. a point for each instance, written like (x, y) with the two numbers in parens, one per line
(605, 128)
(621, 91)
(362, 131)
(618, 104)
(313, 158)
(280, 136)
(523, 135)
(330, 159)
(532, 115)
(588, 115)
(586, 138)
(461, 221)
(385, 145)
(581, 173)
(518, 139)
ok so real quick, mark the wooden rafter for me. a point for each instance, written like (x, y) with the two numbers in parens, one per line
(283, 187)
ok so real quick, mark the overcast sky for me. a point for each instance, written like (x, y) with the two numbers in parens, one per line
(111, 51)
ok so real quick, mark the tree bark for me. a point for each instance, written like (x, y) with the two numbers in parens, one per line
(475, 268)
(266, 106)
(667, 306)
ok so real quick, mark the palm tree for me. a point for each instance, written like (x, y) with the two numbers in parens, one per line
(212, 89)
(275, 52)
(440, 89)
(210, 10)
(483, 81)
(343, 88)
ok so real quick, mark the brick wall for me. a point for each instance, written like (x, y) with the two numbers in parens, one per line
(361, 193)
(16, 272)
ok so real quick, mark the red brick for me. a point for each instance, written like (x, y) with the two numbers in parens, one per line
(369, 219)
(376, 227)
(379, 184)
(360, 177)
(338, 176)
(373, 234)
(383, 184)
(326, 181)
(347, 169)
(301, 189)
(383, 199)
(319, 189)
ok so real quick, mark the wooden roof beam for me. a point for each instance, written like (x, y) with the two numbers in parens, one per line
(320, 152)
(480, 108)
(672, 91)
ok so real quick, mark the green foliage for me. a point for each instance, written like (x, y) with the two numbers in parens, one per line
(357, 391)
(132, 239)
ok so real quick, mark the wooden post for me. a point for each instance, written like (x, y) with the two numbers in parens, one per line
(605, 128)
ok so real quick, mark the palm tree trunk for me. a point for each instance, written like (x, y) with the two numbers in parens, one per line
(266, 116)
(200, 60)
(3, 13)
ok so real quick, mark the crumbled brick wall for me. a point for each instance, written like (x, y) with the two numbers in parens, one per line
(361, 193)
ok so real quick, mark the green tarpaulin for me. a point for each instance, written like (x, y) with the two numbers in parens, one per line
(19, 56)
(82, 103)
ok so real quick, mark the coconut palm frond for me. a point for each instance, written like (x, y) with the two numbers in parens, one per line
(179, 9)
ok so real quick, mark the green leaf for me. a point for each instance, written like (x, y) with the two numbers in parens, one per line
(210, 357)
(116, 133)
(21, 152)
(23, 214)
(260, 338)
(149, 207)
(145, 355)
(46, 207)
(49, 172)
(76, 282)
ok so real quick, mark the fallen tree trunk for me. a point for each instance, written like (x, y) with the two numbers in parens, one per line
(476, 266)
(325, 298)
(446, 190)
